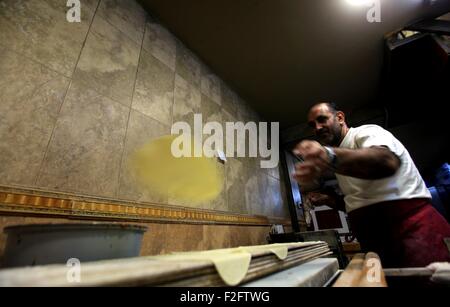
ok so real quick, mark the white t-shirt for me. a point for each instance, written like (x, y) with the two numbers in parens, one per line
(406, 183)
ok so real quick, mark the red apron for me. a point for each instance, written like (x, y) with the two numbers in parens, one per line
(404, 233)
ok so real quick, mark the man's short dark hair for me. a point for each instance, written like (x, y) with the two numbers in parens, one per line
(331, 105)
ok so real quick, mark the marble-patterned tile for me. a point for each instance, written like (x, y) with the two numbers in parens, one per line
(141, 130)
(30, 98)
(274, 172)
(240, 235)
(251, 162)
(219, 203)
(39, 30)
(252, 188)
(248, 161)
(183, 237)
(227, 116)
(244, 142)
(127, 16)
(85, 151)
(271, 200)
(216, 236)
(153, 241)
(188, 65)
(258, 235)
(276, 206)
(235, 186)
(264, 190)
(241, 143)
(160, 43)
(230, 119)
(154, 89)
(241, 109)
(108, 62)
(211, 111)
(210, 85)
(229, 99)
(187, 101)
(283, 210)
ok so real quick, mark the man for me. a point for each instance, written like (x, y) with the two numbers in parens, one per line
(384, 195)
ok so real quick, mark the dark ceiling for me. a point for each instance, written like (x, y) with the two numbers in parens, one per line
(283, 55)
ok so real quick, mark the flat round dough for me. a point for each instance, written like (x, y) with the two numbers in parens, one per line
(189, 179)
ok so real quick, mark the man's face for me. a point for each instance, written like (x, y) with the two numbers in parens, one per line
(325, 124)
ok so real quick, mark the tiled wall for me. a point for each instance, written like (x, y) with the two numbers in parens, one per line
(76, 99)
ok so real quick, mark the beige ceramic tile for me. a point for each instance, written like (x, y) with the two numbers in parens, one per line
(153, 241)
(216, 236)
(240, 235)
(211, 111)
(181, 238)
(188, 65)
(210, 85)
(86, 148)
(39, 29)
(236, 186)
(229, 99)
(108, 62)
(253, 192)
(126, 15)
(153, 95)
(187, 101)
(275, 207)
(30, 98)
(160, 43)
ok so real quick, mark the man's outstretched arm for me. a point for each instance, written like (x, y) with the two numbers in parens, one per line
(367, 163)
(376, 162)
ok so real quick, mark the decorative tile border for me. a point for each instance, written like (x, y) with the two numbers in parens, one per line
(20, 201)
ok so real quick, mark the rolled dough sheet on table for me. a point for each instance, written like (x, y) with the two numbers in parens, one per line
(232, 263)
